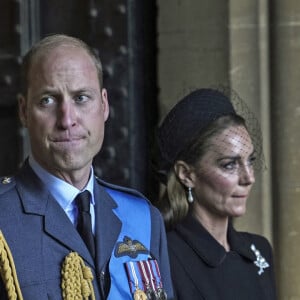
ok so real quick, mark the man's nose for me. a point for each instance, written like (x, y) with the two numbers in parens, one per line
(66, 114)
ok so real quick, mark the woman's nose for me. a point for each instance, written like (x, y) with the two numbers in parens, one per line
(246, 175)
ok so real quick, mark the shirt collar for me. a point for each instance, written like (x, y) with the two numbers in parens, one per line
(63, 192)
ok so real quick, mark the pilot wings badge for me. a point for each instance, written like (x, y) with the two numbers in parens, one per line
(130, 247)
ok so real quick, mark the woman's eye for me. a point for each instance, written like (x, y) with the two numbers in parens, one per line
(252, 160)
(232, 165)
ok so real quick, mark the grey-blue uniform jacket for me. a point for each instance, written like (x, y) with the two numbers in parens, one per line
(40, 235)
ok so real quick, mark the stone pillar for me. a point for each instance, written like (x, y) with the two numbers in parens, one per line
(249, 76)
(285, 99)
(192, 47)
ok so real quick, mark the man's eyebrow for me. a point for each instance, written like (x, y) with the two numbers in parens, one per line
(83, 90)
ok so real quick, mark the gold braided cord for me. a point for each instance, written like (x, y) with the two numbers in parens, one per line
(76, 279)
(8, 271)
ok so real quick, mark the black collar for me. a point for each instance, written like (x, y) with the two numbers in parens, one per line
(202, 242)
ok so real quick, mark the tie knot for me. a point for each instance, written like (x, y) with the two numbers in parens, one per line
(83, 201)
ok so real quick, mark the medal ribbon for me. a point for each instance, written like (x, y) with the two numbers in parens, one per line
(133, 276)
(145, 279)
(156, 273)
(145, 275)
(161, 294)
(152, 278)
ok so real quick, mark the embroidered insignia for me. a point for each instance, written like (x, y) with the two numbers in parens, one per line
(260, 262)
(130, 247)
(6, 180)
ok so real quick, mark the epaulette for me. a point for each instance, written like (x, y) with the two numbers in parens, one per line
(120, 188)
(6, 183)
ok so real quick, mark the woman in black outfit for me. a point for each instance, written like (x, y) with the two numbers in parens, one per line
(207, 158)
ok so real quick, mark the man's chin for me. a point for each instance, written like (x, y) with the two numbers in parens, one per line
(68, 164)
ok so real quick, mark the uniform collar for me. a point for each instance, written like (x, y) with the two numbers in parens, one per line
(63, 192)
(210, 251)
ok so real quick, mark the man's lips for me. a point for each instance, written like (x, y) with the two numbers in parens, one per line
(67, 143)
(66, 138)
(61, 140)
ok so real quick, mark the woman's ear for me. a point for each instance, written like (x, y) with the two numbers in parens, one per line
(185, 173)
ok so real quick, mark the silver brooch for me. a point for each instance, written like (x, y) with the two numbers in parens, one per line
(260, 262)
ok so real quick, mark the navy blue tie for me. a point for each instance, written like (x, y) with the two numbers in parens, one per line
(84, 223)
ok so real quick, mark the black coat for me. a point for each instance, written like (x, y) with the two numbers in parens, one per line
(202, 269)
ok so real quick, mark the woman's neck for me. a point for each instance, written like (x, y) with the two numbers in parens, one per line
(217, 226)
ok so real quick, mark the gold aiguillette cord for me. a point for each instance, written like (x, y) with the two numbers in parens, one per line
(8, 271)
(76, 279)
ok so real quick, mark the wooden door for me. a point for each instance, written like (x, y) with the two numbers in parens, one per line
(123, 33)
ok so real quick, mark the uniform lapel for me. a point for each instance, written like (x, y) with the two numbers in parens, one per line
(108, 225)
(58, 225)
(37, 200)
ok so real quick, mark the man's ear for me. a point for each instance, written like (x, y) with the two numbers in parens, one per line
(22, 109)
(105, 104)
(185, 173)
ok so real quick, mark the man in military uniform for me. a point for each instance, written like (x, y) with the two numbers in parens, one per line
(43, 256)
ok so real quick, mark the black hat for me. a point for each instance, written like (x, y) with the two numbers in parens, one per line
(187, 118)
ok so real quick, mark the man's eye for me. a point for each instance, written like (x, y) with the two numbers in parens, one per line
(46, 101)
(81, 98)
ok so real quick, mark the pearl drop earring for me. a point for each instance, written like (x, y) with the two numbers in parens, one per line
(190, 195)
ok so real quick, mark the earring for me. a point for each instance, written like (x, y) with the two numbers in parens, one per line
(190, 195)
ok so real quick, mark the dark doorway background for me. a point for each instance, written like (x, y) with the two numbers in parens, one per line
(124, 35)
